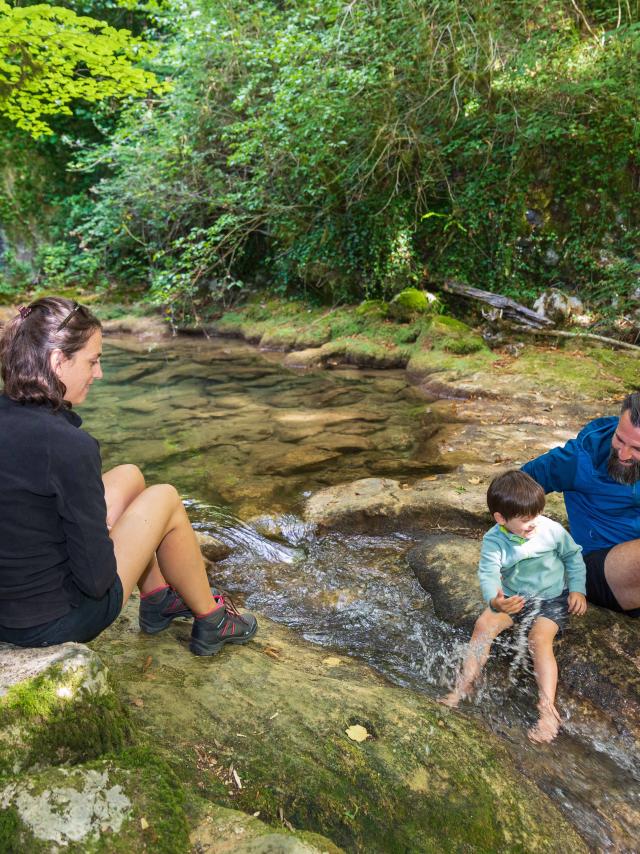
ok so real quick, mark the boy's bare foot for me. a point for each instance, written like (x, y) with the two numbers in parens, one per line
(452, 700)
(547, 727)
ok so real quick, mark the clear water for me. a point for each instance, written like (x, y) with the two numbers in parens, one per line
(242, 437)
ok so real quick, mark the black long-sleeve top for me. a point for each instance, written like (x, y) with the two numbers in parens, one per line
(54, 542)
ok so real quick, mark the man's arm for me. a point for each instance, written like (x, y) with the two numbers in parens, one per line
(555, 471)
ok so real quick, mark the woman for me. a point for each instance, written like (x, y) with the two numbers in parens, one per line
(73, 545)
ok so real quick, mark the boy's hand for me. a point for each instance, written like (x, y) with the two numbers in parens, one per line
(577, 603)
(507, 604)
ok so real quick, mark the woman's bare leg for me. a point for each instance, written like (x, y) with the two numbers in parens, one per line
(487, 628)
(121, 485)
(545, 667)
(155, 522)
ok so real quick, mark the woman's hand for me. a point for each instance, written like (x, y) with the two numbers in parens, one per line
(507, 604)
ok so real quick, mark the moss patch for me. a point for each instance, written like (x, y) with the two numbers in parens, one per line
(52, 719)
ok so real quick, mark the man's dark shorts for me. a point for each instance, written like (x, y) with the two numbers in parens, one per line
(598, 590)
(83, 623)
(556, 609)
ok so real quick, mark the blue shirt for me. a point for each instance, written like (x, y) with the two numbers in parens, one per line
(602, 512)
(541, 566)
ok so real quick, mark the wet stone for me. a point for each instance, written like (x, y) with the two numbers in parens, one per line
(597, 657)
(302, 459)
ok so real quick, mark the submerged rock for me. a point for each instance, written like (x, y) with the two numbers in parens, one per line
(598, 656)
(212, 549)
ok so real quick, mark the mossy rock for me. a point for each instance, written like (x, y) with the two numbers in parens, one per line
(132, 803)
(279, 338)
(365, 353)
(453, 336)
(278, 709)
(57, 705)
(228, 831)
(412, 302)
(376, 309)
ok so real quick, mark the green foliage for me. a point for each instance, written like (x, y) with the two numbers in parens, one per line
(50, 57)
(351, 152)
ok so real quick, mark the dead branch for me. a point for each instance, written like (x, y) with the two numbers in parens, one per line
(509, 309)
(589, 335)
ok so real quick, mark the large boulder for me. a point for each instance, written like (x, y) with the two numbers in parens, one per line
(382, 504)
(598, 656)
(318, 741)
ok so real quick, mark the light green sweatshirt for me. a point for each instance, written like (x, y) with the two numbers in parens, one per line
(542, 566)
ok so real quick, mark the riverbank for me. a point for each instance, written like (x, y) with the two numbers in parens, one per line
(222, 405)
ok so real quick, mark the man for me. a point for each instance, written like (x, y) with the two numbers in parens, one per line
(599, 474)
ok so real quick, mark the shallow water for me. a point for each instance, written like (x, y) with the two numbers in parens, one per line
(234, 429)
(241, 437)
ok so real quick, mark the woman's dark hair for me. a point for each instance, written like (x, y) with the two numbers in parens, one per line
(515, 493)
(48, 324)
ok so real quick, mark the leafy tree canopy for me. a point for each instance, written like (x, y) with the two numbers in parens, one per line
(50, 57)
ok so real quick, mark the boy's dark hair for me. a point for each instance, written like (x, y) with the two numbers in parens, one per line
(515, 493)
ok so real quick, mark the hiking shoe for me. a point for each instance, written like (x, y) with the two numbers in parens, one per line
(224, 625)
(159, 608)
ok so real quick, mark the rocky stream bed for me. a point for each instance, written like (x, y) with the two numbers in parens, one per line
(132, 743)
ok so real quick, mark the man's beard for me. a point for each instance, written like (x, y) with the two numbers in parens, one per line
(620, 473)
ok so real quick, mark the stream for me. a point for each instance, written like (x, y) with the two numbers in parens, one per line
(241, 437)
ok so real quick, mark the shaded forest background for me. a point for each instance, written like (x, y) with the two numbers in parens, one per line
(341, 151)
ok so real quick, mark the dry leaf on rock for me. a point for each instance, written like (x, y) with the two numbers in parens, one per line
(474, 480)
(357, 733)
(272, 652)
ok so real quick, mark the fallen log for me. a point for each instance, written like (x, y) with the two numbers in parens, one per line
(508, 308)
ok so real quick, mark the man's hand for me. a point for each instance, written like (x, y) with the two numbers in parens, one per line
(577, 603)
(507, 604)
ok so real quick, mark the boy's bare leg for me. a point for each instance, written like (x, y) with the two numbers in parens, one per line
(545, 667)
(155, 522)
(487, 628)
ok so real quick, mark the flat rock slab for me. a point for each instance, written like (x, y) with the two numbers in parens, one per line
(598, 657)
(280, 710)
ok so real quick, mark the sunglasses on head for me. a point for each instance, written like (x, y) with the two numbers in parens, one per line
(76, 307)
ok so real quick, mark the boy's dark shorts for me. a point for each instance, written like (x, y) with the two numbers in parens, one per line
(598, 590)
(556, 609)
(83, 623)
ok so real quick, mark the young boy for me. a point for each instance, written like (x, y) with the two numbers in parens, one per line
(527, 562)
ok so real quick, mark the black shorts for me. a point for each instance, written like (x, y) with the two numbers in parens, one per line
(598, 590)
(556, 609)
(83, 623)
